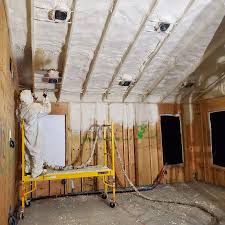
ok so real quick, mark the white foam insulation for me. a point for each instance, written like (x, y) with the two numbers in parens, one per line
(49, 41)
(17, 20)
(207, 80)
(89, 20)
(125, 23)
(148, 40)
(94, 45)
(127, 115)
(49, 37)
(83, 115)
(182, 52)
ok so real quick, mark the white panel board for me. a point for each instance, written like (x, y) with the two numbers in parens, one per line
(53, 128)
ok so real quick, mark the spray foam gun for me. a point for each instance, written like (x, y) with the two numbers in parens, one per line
(45, 93)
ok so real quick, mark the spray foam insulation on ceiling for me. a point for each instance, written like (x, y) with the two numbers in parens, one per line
(127, 45)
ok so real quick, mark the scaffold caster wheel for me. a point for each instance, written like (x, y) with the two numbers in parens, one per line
(28, 203)
(112, 204)
(104, 196)
(12, 220)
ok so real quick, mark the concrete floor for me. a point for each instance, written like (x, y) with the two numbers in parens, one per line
(132, 210)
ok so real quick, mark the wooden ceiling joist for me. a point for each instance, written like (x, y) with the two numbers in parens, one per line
(205, 57)
(31, 2)
(152, 55)
(164, 97)
(67, 45)
(29, 48)
(98, 47)
(127, 52)
(210, 87)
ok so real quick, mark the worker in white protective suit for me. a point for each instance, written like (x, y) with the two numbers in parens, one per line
(31, 112)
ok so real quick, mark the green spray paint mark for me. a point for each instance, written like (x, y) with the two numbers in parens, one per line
(141, 130)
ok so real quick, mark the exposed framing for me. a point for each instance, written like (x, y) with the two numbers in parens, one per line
(14, 63)
(67, 45)
(98, 47)
(210, 87)
(168, 94)
(127, 52)
(153, 54)
(219, 80)
(32, 41)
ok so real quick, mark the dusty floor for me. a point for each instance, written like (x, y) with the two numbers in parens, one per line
(132, 210)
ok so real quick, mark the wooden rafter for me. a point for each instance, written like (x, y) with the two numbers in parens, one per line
(198, 94)
(153, 54)
(210, 87)
(32, 40)
(14, 62)
(98, 47)
(204, 58)
(164, 97)
(67, 45)
(127, 52)
(168, 93)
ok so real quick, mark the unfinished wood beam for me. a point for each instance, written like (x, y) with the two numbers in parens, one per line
(168, 93)
(98, 47)
(67, 46)
(28, 51)
(205, 57)
(32, 40)
(14, 62)
(210, 87)
(199, 94)
(127, 52)
(153, 54)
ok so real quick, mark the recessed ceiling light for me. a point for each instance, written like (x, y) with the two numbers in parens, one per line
(60, 13)
(164, 26)
(187, 84)
(126, 80)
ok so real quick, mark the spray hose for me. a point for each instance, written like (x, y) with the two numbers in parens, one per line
(214, 218)
(72, 166)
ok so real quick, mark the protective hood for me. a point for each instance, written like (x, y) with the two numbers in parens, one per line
(26, 97)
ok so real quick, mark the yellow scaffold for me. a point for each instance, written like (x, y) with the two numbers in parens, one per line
(104, 171)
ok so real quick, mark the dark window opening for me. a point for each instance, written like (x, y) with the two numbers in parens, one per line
(217, 121)
(171, 140)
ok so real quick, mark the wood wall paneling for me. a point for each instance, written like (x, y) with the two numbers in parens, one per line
(118, 129)
(175, 173)
(8, 156)
(142, 154)
(212, 173)
(131, 155)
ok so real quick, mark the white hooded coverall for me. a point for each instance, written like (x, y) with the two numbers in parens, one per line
(30, 112)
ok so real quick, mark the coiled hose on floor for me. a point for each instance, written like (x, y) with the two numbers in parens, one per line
(214, 218)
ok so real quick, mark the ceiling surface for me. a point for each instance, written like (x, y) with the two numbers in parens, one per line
(107, 39)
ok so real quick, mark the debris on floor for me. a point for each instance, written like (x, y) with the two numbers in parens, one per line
(132, 210)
